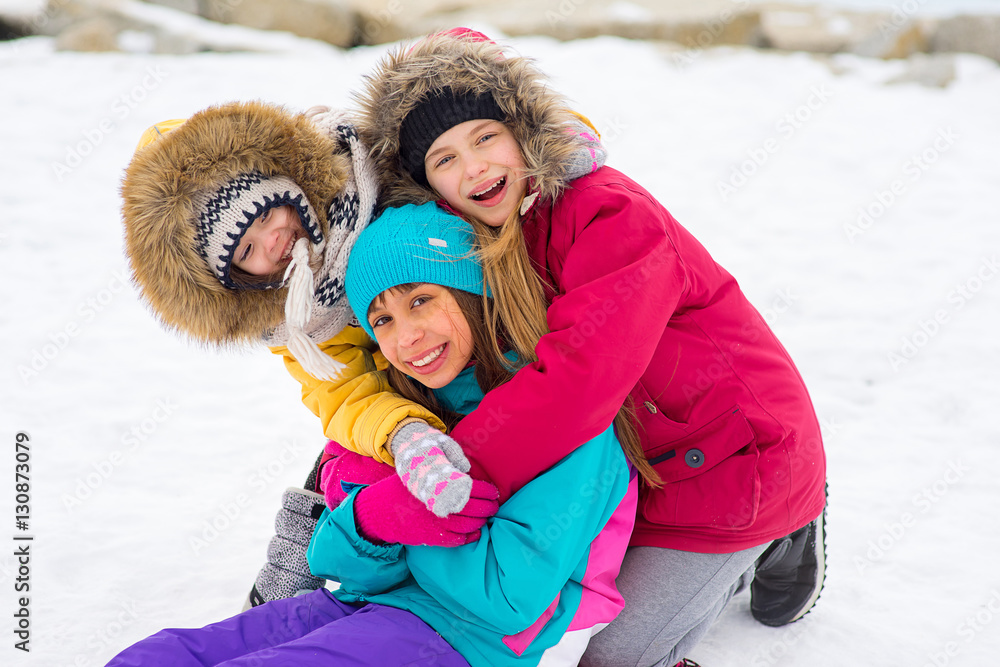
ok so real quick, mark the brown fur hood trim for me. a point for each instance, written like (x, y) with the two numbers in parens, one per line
(207, 150)
(536, 114)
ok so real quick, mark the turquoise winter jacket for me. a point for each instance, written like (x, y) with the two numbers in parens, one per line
(544, 565)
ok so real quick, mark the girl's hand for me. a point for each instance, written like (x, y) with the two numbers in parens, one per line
(433, 467)
(351, 468)
(386, 513)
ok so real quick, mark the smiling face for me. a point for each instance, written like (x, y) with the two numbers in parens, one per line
(477, 167)
(421, 331)
(266, 246)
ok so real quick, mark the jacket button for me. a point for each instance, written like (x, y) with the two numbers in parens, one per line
(694, 458)
(649, 406)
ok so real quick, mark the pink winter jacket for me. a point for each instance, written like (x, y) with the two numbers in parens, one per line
(639, 307)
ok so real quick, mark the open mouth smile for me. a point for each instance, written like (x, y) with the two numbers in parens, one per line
(491, 191)
(286, 255)
(429, 357)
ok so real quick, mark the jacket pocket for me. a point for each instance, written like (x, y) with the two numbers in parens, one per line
(710, 477)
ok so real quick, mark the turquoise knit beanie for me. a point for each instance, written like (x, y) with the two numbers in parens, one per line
(411, 244)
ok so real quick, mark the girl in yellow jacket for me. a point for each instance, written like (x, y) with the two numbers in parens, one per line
(238, 225)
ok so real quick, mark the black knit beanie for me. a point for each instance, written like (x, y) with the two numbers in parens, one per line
(435, 115)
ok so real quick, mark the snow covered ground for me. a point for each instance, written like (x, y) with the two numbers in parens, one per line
(860, 216)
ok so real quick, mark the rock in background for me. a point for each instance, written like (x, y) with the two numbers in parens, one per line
(330, 21)
(690, 23)
(969, 34)
(182, 26)
(827, 30)
(189, 26)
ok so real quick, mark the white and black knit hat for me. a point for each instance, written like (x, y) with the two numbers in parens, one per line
(227, 212)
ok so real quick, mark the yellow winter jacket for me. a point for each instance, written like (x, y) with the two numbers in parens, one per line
(359, 409)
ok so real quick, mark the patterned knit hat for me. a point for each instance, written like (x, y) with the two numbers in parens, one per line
(412, 244)
(226, 213)
(433, 116)
(193, 188)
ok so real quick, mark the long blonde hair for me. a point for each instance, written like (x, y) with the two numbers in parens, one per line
(516, 315)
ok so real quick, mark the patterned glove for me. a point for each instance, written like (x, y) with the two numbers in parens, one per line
(590, 154)
(287, 572)
(433, 467)
(386, 512)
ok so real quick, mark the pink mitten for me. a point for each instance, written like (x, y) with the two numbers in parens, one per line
(386, 512)
(350, 467)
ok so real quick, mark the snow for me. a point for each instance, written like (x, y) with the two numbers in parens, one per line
(859, 216)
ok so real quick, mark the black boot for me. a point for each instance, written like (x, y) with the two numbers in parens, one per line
(790, 575)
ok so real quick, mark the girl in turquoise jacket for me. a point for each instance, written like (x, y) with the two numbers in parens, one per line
(540, 579)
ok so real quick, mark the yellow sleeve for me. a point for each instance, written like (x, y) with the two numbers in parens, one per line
(359, 409)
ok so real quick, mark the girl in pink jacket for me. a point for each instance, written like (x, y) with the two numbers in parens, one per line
(638, 311)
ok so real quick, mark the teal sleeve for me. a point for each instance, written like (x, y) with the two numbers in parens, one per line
(540, 536)
(338, 553)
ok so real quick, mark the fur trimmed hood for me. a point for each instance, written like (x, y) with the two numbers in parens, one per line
(466, 61)
(159, 190)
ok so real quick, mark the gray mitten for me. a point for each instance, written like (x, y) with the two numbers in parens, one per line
(590, 154)
(286, 573)
(433, 467)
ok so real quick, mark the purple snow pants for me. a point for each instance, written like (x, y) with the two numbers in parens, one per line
(311, 629)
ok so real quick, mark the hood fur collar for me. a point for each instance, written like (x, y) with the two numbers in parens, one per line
(158, 189)
(538, 116)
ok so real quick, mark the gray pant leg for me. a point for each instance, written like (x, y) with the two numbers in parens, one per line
(671, 599)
